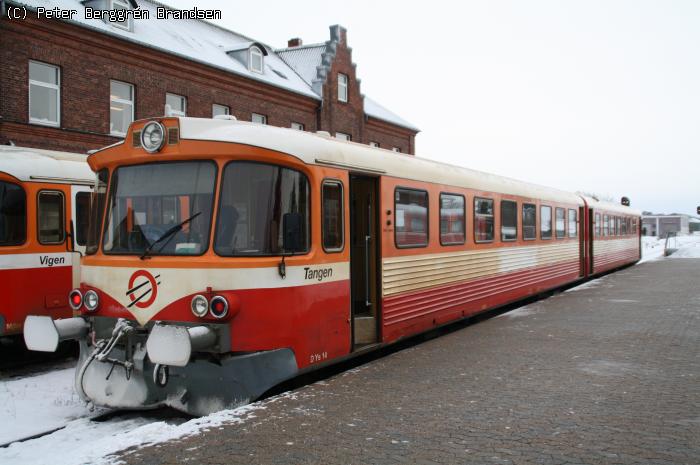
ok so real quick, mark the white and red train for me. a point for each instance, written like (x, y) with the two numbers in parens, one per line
(42, 193)
(231, 256)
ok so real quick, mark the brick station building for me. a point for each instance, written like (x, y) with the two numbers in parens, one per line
(75, 84)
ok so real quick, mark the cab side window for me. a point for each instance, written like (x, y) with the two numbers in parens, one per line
(332, 193)
(51, 217)
(82, 214)
(13, 214)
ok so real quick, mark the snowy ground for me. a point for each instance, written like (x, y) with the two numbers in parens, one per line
(39, 403)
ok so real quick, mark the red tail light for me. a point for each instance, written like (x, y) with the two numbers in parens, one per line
(75, 299)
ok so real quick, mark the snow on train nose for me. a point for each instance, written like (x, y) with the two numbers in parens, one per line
(41, 333)
(173, 345)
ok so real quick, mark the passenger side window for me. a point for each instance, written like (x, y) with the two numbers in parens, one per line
(606, 225)
(572, 223)
(452, 230)
(82, 215)
(545, 222)
(560, 223)
(509, 220)
(332, 216)
(483, 220)
(597, 224)
(13, 214)
(51, 217)
(411, 208)
(529, 221)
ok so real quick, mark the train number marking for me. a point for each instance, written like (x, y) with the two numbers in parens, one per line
(315, 358)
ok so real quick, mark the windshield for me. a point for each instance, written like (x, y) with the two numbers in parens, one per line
(148, 201)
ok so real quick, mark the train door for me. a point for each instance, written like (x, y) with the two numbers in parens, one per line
(364, 253)
(583, 234)
(591, 239)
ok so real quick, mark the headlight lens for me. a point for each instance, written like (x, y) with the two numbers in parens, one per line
(199, 305)
(218, 307)
(153, 137)
(92, 300)
(75, 299)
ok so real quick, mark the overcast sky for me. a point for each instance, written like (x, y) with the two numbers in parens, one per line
(598, 96)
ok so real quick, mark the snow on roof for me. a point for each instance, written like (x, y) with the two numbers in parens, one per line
(317, 149)
(192, 39)
(375, 110)
(28, 164)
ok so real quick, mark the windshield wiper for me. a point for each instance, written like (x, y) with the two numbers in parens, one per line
(168, 233)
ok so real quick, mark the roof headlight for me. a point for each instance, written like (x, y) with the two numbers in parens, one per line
(199, 305)
(153, 137)
(91, 300)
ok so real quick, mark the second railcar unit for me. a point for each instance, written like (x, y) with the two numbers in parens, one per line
(229, 256)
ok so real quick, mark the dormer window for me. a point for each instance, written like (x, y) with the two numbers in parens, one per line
(255, 62)
(126, 22)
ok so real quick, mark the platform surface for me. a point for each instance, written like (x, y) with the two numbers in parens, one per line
(605, 373)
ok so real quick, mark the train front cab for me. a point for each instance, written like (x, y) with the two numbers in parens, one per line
(39, 260)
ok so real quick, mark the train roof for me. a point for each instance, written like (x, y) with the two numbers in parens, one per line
(37, 165)
(319, 149)
(611, 207)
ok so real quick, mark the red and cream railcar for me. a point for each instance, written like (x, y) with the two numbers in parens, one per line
(230, 256)
(615, 236)
(41, 194)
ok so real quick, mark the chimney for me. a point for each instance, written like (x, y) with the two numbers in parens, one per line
(295, 42)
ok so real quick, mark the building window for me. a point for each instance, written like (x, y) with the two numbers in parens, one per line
(51, 217)
(597, 224)
(297, 126)
(255, 60)
(452, 219)
(121, 5)
(342, 87)
(483, 220)
(254, 199)
(217, 110)
(560, 222)
(573, 224)
(545, 222)
(411, 208)
(178, 104)
(44, 94)
(332, 216)
(374, 144)
(13, 214)
(258, 118)
(342, 136)
(121, 107)
(529, 221)
(509, 220)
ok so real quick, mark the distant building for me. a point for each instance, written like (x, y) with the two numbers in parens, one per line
(76, 84)
(661, 225)
(694, 225)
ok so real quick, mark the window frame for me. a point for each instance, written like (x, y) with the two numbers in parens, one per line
(597, 226)
(396, 149)
(575, 235)
(129, 20)
(516, 220)
(173, 112)
(606, 225)
(62, 215)
(493, 216)
(522, 219)
(262, 117)
(556, 230)
(464, 217)
(328, 182)
(225, 107)
(56, 87)
(343, 84)
(132, 103)
(427, 225)
(374, 144)
(551, 223)
(255, 51)
(25, 236)
(218, 189)
(343, 136)
(297, 126)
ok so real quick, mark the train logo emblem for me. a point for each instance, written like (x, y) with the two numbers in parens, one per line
(143, 289)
